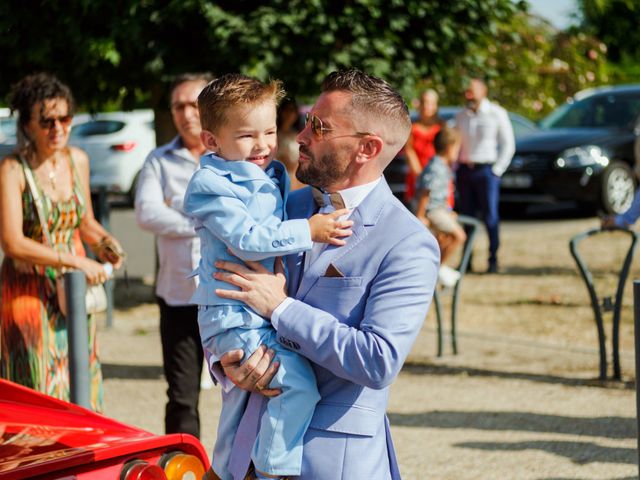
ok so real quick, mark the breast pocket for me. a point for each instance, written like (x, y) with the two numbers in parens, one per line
(342, 297)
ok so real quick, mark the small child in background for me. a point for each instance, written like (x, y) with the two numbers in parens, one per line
(237, 198)
(433, 187)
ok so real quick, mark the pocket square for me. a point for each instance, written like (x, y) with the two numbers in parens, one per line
(332, 271)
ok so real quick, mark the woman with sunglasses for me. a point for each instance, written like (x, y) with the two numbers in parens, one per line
(45, 178)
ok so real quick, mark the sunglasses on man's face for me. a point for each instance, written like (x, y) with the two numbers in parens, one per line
(318, 128)
(47, 123)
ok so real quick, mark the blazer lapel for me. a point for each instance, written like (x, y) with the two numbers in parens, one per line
(331, 254)
(364, 216)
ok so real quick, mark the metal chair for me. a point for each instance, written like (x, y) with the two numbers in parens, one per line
(471, 226)
(607, 304)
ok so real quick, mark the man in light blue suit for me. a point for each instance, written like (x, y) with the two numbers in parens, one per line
(353, 311)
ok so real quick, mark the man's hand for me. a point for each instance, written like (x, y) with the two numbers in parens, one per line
(608, 221)
(253, 375)
(262, 290)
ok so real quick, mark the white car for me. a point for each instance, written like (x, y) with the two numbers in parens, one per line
(117, 144)
(7, 132)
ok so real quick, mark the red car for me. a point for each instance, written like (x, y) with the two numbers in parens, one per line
(45, 438)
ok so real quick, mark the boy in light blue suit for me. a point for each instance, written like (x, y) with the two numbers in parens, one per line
(237, 199)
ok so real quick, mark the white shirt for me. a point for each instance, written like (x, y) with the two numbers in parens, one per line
(160, 193)
(487, 136)
(352, 197)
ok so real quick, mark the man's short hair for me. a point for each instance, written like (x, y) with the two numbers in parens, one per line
(231, 90)
(446, 137)
(376, 99)
(204, 77)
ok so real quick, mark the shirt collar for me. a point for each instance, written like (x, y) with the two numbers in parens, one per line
(354, 196)
(177, 147)
(484, 105)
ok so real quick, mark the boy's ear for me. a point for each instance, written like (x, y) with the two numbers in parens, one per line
(209, 140)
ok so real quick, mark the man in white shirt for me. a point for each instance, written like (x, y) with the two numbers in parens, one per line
(487, 147)
(161, 186)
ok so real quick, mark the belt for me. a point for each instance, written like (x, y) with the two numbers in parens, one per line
(470, 164)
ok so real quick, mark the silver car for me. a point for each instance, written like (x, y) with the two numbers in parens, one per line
(117, 144)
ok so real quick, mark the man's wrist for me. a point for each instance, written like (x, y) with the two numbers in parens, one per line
(275, 315)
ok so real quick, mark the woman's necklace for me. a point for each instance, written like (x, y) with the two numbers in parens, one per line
(52, 173)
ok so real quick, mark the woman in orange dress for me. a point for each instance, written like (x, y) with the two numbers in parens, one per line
(33, 330)
(419, 148)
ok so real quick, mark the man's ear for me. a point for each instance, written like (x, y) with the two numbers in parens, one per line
(209, 140)
(370, 148)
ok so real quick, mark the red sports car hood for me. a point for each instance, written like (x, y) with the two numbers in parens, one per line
(37, 429)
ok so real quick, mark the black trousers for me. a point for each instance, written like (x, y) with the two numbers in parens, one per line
(182, 358)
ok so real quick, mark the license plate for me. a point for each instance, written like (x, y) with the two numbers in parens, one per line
(516, 180)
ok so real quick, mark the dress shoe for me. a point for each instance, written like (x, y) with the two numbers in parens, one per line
(493, 268)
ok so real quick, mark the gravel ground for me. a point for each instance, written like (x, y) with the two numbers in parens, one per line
(518, 402)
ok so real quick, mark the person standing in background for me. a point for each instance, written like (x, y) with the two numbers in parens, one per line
(419, 148)
(488, 144)
(161, 187)
(46, 182)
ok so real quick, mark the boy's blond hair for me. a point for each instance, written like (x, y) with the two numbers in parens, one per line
(231, 90)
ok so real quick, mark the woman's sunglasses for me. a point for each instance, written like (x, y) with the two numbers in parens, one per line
(47, 123)
(318, 128)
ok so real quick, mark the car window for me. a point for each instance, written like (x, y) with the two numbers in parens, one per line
(598, 111)
(97, 127)
(521, 127)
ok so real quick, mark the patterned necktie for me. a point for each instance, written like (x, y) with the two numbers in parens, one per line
(326, 199)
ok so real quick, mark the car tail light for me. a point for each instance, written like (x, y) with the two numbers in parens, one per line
(123, 147)
(180, 466)
(141, 470)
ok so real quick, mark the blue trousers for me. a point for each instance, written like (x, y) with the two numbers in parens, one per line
(479, 196)
(278, 448)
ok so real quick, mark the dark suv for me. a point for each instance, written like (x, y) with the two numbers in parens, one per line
(584, 152)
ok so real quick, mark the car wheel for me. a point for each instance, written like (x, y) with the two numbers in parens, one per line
(618, 186)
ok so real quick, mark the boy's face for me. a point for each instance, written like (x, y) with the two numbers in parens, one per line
(250, 134)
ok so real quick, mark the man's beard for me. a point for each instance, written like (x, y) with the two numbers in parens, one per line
(320, 173)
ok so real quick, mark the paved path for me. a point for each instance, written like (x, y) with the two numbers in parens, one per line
(492, 412)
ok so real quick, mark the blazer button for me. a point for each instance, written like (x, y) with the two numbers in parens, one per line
(276, 244)
(291, 240)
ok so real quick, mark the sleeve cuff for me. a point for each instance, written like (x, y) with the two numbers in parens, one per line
(275, 316)
(219, 377)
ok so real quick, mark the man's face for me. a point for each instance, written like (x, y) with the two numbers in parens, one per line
(474, 94)
(326, 156)
(249, 134)
(184, 110)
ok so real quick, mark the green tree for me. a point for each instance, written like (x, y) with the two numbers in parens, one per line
(531, 67)
(124, 51)
(616, 23)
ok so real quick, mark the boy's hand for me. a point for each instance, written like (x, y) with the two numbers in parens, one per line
(326, 228)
